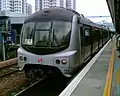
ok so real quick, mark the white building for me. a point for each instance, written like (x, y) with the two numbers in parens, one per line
(71, 4)
(42, 4)
(62, 3)
(28, 9)
(24, 6)
(74, 4)
(38, 5)
(4, 5)
(16, 6)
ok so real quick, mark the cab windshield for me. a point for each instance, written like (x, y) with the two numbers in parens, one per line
(46, 34)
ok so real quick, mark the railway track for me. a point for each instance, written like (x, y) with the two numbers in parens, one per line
(47, 86)
(8, 70)
(32, 84)
(7, 63)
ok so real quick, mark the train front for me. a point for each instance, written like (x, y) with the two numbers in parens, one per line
(45, 44)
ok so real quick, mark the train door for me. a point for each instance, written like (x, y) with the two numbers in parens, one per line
(100, 38)
(87, 41)
(79, 38)
(82, 36)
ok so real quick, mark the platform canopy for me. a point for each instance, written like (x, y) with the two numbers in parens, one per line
(16, 18)
(114, 7)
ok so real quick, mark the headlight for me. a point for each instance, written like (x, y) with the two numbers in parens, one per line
(20, 58)
(25, 58)
(61, 61)
(57, 61)
(64, 61)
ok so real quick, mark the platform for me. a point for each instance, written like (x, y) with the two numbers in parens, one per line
(100, 77)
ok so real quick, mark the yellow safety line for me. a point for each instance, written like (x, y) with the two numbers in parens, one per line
(107, 88)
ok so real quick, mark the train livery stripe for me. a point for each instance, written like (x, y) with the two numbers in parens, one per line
(71, 87)
(107, 88)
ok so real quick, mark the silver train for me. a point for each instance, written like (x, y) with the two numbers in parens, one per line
(58, 40)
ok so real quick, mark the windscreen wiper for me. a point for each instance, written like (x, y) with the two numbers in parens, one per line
(26, 47)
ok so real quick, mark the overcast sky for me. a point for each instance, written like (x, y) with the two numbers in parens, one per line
(87, 7)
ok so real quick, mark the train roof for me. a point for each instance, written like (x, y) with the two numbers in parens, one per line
(88, 22)
(52, 14)
(59, 13)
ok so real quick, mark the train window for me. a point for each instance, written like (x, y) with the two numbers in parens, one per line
(43, 25)
(82, 36)
(61, 33)
(78, 21)
(81, 32)
(46, 34)
(87, 33)
(27, 33)
(42, 31)
(95, 35)
(87, 37)
(41, 38)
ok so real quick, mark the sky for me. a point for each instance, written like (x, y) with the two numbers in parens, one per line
(92, 7)
(88, 8)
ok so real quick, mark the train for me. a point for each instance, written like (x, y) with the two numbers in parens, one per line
(58, 40)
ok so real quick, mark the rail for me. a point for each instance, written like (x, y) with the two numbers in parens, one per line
(8, 62)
